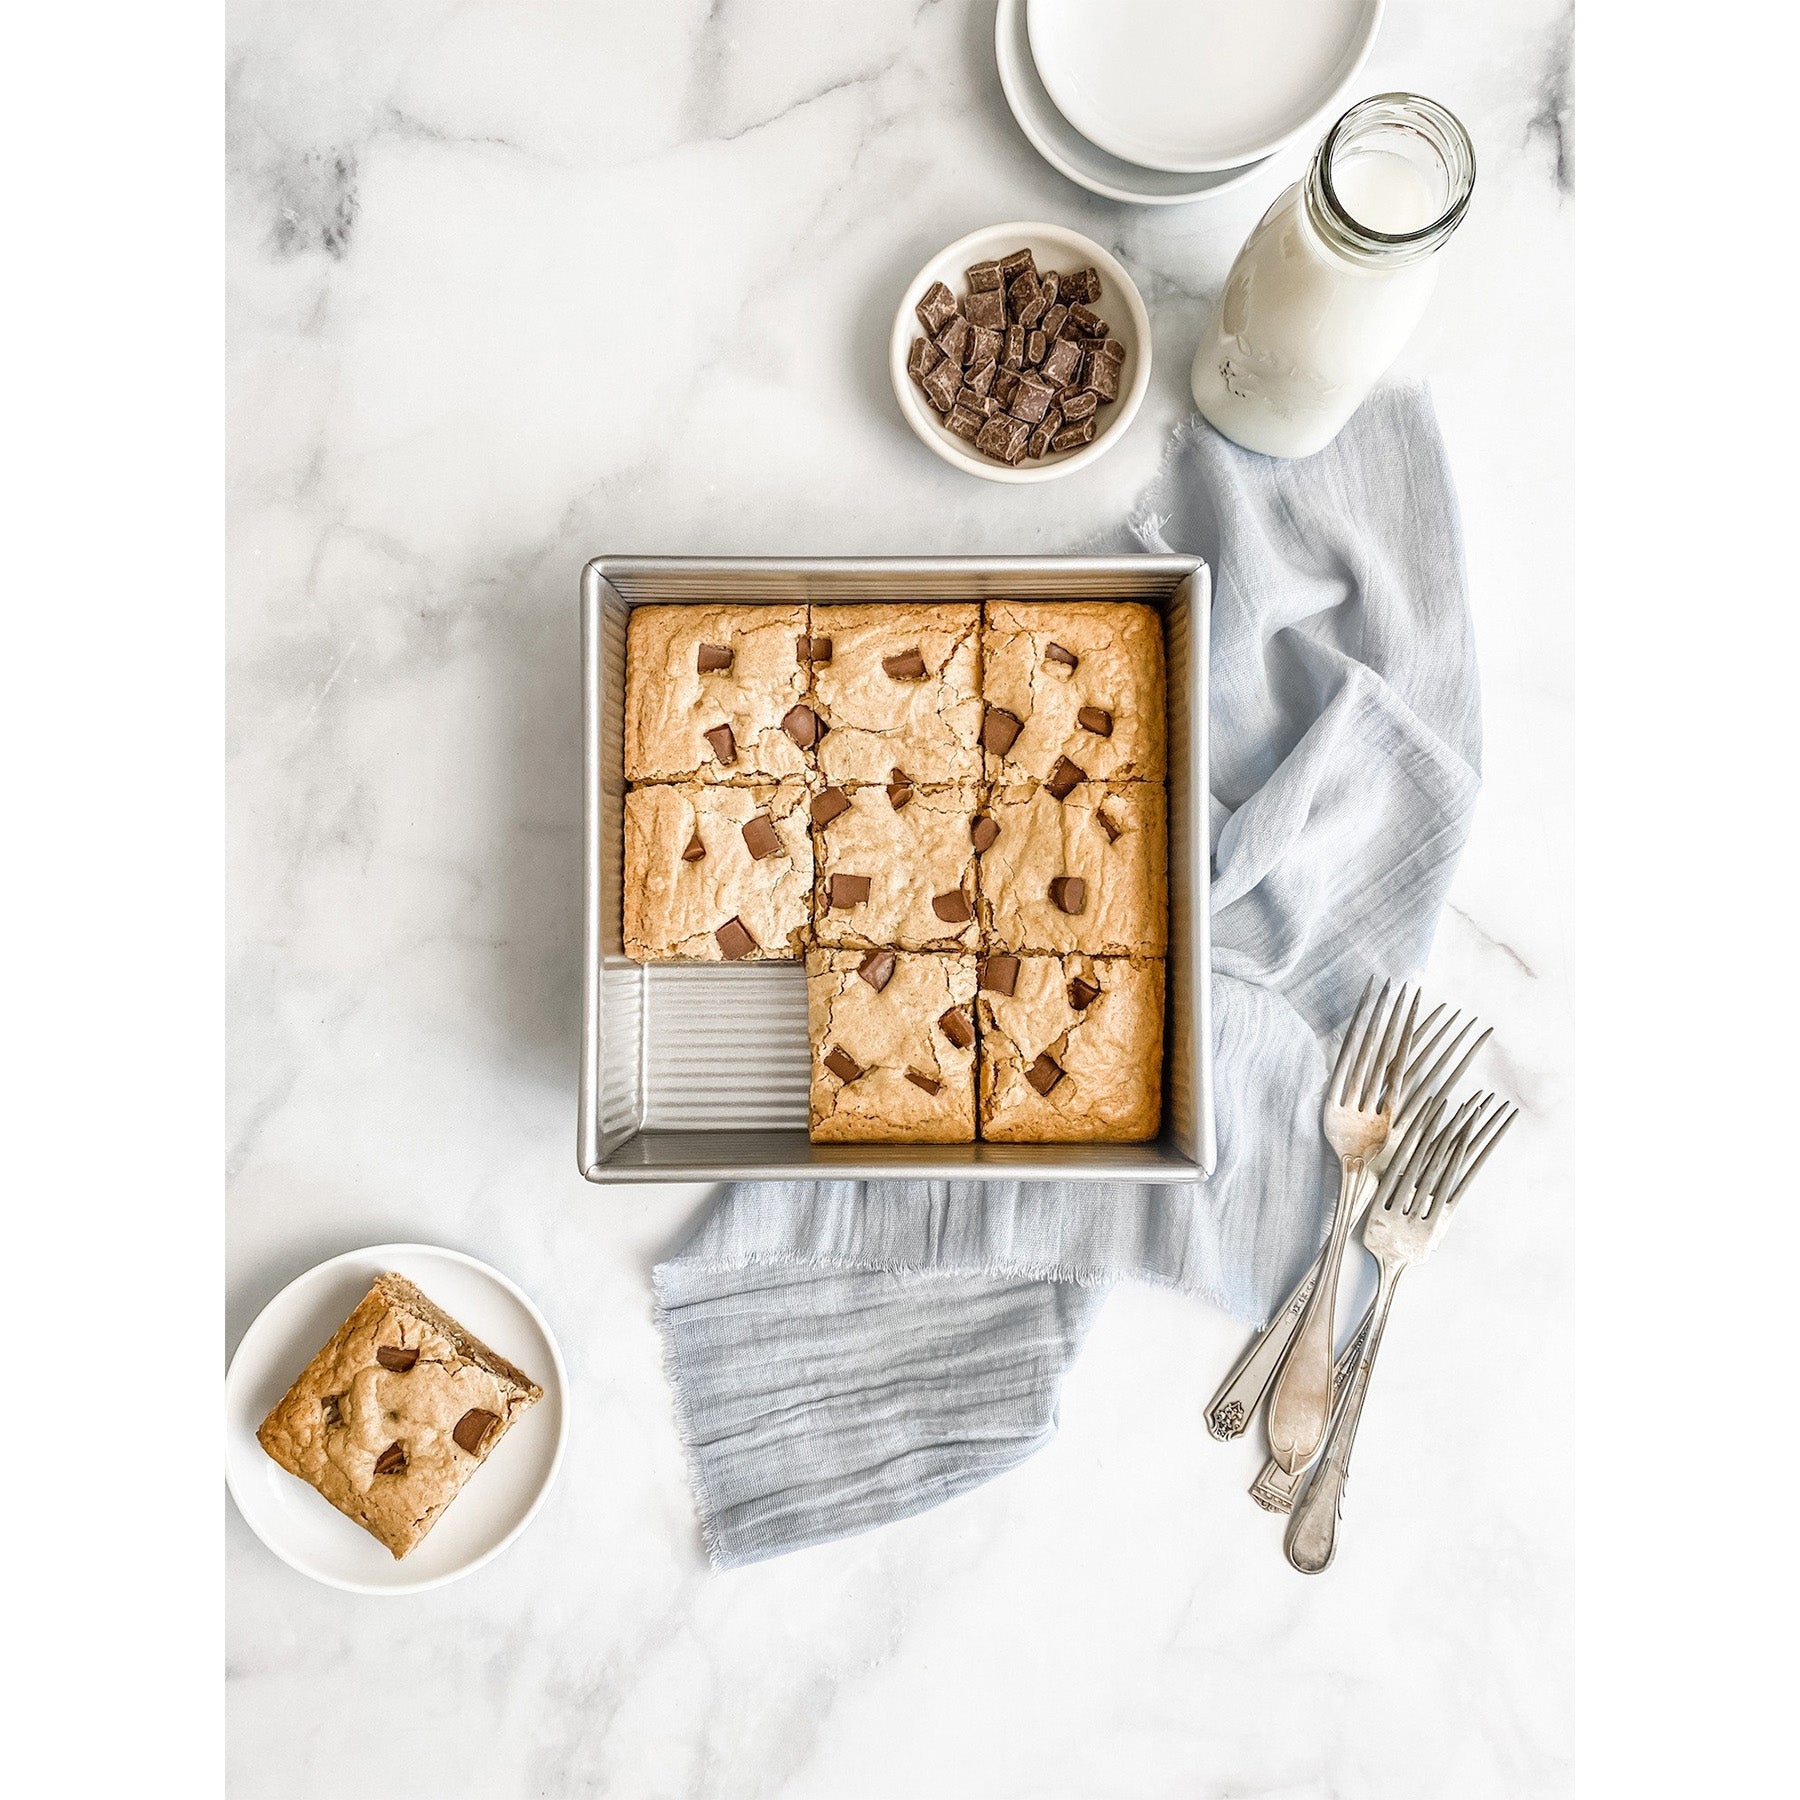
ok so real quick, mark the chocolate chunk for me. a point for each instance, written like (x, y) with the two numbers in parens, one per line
(985, 346)
(391, 1461)
(984, 278)
(1064, 778)
(998, 974)
(955, 1025)
(953, 341)
(723, 743)
(1003, 438)
(331, 1410)
(1033, 399)
(1083, 285)
(714, 657)
(908, 665)
(1072, 437)
(1000, 730)
(936, 308)
(1012, 267)
(983, 832)
(983, 406)
(922, 358)
(942, 383)
(980, 377)
(877, 968)
(845, 891)
(1045, 1073)
(1089, 324)
(1051, 284)
(1104, 821)
(1039, 441)
(987, 309)
(1082, 993)
(1006, 385)
(1025, 300)
(900, 789)
(1036, 345)
(1110, 348)
(953, 907)
(929, 1083)
(1051, 325)
(759, 837)
(843, 1065)
(965, 422)
(1055, 653)
(734, 940)
(473, 1427)
(391, 1356)
(801, 723)
(812, 650)
(1012, 353)
(1095, 719)
(831, 804)
(1061, 362)
(1100, 376)
(1069, 892)
(695, 849)
(1076, 407)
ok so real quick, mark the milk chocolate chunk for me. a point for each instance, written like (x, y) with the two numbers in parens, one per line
(980, 377)
(900, 789)
(723, 743)
(998, 974)
(1095, 719)
(695, 849)
(942, 383)
(1051, 325)
(1104, 820)
(984, 277)
(953, 341)
(929, 1083)
(759, 837)
(965, 421)
(812, 650)
(1003, 438)
(1025, 300)
(1083, 285)
(1100, 376)
(845, 891)
(391, 1461)
(922, 358)
(473, 1427)
(331, 1410)
(1064, 778)
(1000, 730)
(734, 940)
(1069, 892)
(713, 657)
(1079, 406)
(909, 665)
(1082, 993)
(1006, 385)
(1061, 361)
(392, 1356)
(955, 1025)
(1038, 444)
(801, 723)
(877, 968)
(831, 804)
(1089, 324)
(985, 346)
(842, 1064)
(983, 406)
(987, 309)
(1036, 344)
(1045, 1073)
(1055, 653)
(953, 907)
(1051, 284)
(983, 831)
(1072, 437)
(1033, 399)
(1012, 354)
(1012, 267)
(936, 308)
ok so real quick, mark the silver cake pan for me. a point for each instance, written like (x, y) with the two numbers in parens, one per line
(699, 1072)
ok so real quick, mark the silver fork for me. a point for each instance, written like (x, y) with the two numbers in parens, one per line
(1231, 1409)
(1413, 1209)
(1360, 1100)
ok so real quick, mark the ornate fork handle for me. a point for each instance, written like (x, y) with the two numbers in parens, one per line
(1274, 1489)
(1312, 1529)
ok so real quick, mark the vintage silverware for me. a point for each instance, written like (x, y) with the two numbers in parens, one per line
(1231, 1409)
(1360, 1101)
(1411, 1212)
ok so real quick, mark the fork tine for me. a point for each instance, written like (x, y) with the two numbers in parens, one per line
(1435, 1081)
(1388, 1099)
(1431, 1043)
(1443, 1147)
(1333, 1088)
(1368, 1059)
(1418, 1144)
(1443, 1178)
(1494, 1122)
(1487, 1150)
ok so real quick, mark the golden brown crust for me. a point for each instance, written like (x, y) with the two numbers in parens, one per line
(347, 1411)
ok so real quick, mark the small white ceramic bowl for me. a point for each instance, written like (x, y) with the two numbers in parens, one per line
(1055, 247)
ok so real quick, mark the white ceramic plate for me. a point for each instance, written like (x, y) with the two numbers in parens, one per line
(1066, 150)
(309, 1533)
(1198, 84)
(1055, 247)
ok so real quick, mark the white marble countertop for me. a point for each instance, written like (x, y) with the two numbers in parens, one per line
(515, 284)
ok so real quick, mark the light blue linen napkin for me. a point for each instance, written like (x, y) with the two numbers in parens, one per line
(847, 1353)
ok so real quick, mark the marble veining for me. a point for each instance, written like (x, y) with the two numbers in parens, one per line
(514, 284)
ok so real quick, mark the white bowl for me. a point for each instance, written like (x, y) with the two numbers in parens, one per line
(1068, 152)
(503, 1495)
(1055, 247)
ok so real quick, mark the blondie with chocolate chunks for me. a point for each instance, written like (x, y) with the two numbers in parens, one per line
(896, 866)
(393, 1416)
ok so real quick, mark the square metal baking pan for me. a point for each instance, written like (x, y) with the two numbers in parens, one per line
(700, 1071)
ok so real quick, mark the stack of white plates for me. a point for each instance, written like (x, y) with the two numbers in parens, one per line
(1157, 102)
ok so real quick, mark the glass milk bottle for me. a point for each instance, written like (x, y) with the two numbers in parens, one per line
(1328, 287)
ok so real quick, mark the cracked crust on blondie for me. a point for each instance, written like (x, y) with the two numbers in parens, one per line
(919, 861)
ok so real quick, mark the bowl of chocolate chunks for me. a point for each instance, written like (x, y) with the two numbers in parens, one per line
(1020, 352)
